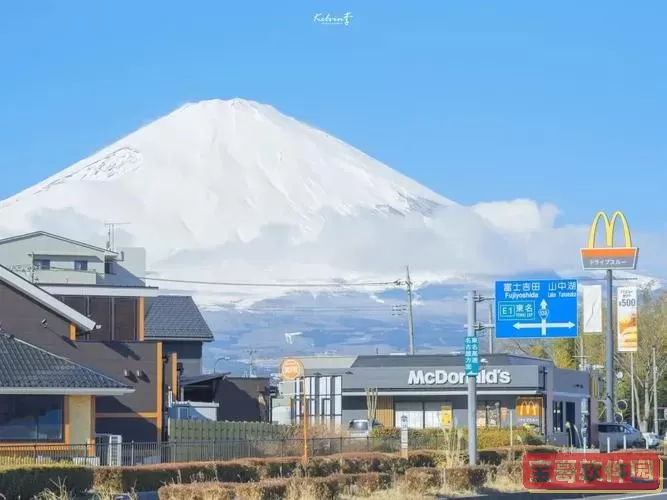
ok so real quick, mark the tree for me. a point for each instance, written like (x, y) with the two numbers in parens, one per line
(652, 327)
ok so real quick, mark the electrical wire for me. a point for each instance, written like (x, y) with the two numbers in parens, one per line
(28, 269)
(277, 285)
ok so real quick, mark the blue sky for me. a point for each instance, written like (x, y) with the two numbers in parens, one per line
(563, 101)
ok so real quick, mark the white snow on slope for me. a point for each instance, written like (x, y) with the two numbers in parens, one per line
(236, 191)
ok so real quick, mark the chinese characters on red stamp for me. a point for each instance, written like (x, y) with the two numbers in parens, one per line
(614, 472)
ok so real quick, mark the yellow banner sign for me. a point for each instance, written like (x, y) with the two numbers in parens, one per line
(446, 416)
(610, 256)
(626, 314)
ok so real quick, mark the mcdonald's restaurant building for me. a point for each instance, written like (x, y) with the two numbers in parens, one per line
(431, 391)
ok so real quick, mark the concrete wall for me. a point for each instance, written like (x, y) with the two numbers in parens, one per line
(127, 270)
(16, 255)
(189, 353)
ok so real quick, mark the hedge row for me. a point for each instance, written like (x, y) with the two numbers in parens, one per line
(419, 480)
(325, 488)
(487, 437)
(36, 478)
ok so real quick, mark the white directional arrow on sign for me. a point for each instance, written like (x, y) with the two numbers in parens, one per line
(543, 325)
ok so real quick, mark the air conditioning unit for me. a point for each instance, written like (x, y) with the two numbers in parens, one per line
(183, 413)
(110, 449)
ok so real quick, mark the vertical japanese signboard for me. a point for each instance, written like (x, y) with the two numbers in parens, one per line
(626, 315)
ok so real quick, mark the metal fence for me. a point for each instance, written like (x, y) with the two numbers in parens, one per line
(133, 453)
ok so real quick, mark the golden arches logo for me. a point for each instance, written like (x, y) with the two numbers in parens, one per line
(609, 256)
(609, 227)
(529, 408)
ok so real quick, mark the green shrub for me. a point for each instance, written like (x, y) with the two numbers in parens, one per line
(435, 439)
(422, 479)
(30, 480)
(466, 478)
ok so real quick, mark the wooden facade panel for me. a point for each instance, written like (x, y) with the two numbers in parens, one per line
(385, 411)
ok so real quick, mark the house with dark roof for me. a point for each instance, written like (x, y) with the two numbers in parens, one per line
(176, 321)
(115, 322)
(36, 317)
(49, 398)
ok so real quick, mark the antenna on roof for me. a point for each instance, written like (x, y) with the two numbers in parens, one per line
(111, 234)
(251, 363)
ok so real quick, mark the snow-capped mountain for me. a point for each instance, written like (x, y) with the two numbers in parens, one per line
(236, 191)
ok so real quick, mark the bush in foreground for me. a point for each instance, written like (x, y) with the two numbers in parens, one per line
(322, 488)
(423, 479)
(466, 478)
(30, 480)
(151, 477)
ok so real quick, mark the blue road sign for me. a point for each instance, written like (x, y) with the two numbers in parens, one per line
(471, 357)
(536, 309)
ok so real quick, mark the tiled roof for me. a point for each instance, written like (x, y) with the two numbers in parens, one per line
(25, 366)
(174, 317)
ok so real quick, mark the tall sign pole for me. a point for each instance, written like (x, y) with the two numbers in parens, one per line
(609, 258)
(472, 382)
(472, 362)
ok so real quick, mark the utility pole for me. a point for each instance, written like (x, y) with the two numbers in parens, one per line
(411, 327)
(655, 393)
(251, 363)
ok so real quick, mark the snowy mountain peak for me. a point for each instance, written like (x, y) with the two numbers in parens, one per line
(215, 173)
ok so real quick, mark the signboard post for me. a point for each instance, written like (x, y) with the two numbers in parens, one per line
(471, 357)
(609, 258)
(530, 309)
(291, 370)
(404, 436)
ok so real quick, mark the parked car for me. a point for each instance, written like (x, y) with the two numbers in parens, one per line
(652, 439)
(362, 428)
(617, 435)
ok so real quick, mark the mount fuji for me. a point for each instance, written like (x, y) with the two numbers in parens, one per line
(235, 191)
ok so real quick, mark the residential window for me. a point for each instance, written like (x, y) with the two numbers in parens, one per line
(31, 418)
(80, 265)
(42, 264)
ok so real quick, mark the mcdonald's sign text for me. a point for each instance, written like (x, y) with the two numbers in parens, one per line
(609, 256)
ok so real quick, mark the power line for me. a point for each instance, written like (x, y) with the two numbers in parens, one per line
(29, 268)
(277, 285)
